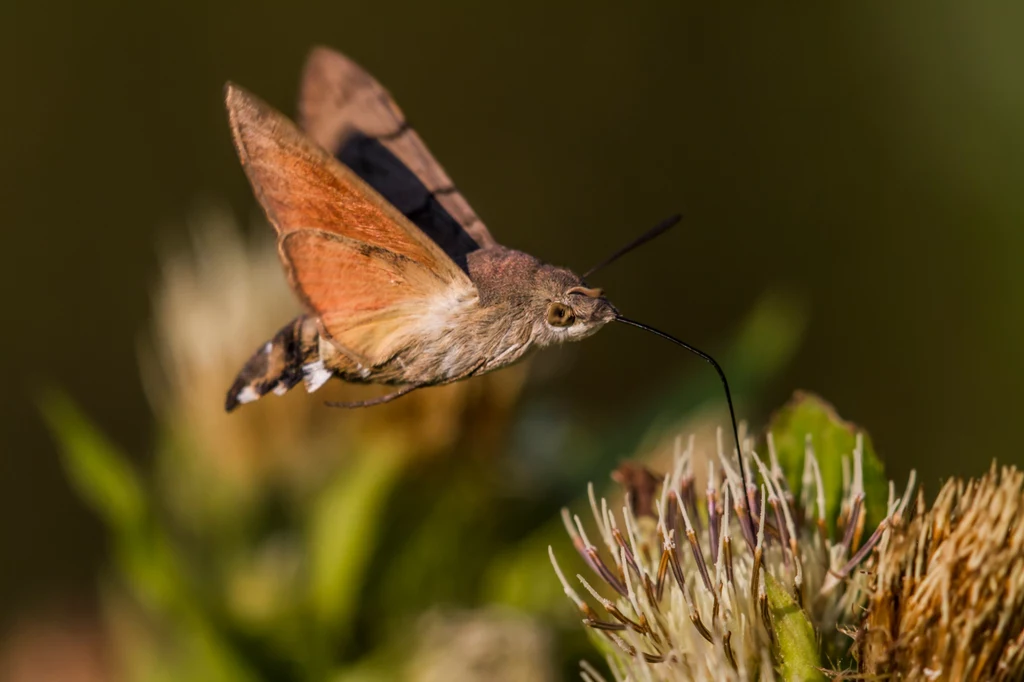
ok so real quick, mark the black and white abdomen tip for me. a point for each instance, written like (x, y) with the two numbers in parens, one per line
(281, 363)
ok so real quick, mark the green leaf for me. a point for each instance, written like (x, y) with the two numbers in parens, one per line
(832, 438)
(149, 563)
(521, 576)
(97, 469)
(461, 505)
(343, 532)
(794, 636)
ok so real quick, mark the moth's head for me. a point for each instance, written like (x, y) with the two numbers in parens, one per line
(568, 309)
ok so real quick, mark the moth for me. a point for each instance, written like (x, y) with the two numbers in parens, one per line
(402, 283)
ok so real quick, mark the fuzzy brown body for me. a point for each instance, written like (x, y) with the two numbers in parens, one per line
(492, 328)
(402, 283)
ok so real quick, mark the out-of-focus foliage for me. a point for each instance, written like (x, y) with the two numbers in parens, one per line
(290, 541)
(96, 468)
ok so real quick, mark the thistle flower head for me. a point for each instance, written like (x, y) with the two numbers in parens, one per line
(684, 584)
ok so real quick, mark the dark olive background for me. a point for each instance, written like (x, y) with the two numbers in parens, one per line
(868, 159)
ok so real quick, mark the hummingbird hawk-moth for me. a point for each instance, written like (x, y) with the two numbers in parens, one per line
(401, 281)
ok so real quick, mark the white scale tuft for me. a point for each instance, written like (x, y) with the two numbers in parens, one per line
(315, 375)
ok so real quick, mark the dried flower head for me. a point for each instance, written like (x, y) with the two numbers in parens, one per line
(689, 588)
(947, 595)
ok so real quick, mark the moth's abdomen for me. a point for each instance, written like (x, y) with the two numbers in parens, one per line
(280, 364)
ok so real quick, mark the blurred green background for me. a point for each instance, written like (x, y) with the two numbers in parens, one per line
(865, 160)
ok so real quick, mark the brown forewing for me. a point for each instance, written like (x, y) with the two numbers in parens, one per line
(339, 98)
(300, 186)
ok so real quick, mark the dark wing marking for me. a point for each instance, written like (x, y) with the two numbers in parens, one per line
(340, 101)
(382, 170)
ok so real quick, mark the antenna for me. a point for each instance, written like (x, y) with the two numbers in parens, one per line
(647, 236)
(725, 383)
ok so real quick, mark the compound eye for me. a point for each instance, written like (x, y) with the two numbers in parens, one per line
(560, 315)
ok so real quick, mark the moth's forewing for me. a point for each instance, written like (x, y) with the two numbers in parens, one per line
(346, 111)
(356, 262)
(301, 187)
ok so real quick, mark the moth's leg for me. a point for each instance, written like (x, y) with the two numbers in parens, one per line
(479, 366)
(377, 401)
(387, 398)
